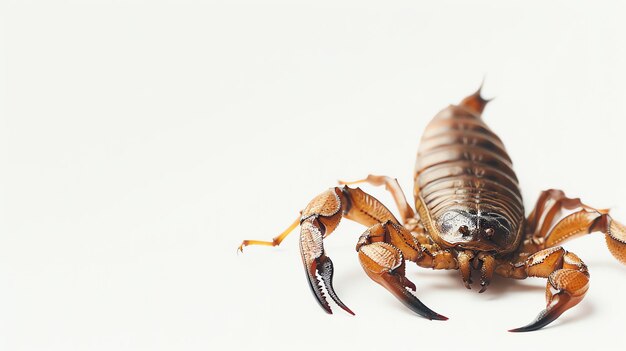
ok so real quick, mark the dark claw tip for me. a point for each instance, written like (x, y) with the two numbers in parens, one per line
(438, 317)
(544, 318)
(530, 327)
(343, 306)
(535, 325)
(520, 330)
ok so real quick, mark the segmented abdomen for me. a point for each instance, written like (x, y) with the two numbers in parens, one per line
(461, 163)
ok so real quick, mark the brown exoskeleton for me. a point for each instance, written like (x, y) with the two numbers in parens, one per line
(470, 216)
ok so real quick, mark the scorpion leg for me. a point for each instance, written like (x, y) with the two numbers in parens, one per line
(275, 241)
(549, 227)
(568, 281)
(383, 251)
(391, 185)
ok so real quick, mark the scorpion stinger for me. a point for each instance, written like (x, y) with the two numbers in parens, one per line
(476, 101)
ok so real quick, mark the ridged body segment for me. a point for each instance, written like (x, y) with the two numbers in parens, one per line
(466, 191)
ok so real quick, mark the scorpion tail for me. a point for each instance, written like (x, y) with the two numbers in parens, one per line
(475, 102)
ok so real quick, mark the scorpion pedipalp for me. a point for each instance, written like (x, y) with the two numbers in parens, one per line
(568, 282)
(565, 289)
(317, 263)
(319, 219)
(384, 263)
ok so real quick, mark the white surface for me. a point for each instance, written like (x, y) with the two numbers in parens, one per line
(141, 141)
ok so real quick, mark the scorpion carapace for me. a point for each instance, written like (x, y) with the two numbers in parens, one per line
(466, 191)
(470, 216)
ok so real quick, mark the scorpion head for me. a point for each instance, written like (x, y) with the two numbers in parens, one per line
(469, 229)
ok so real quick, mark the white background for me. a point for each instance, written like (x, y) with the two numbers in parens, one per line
(141, 141)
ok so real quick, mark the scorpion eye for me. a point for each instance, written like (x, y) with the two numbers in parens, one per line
(489, 232)
(464, 230)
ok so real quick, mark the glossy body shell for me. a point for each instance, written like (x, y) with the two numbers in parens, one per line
(466, 192)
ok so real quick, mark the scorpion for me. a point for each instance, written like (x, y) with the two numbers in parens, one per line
(469, 216)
